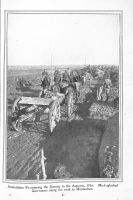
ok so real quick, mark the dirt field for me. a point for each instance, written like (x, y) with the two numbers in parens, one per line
(72, 149)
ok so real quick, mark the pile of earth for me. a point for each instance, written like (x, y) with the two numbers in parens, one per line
(102, 111)
(109, 150)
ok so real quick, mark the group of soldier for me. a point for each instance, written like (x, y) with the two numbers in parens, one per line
(50, 81)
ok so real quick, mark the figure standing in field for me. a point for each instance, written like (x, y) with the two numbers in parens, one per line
(51, 78)
(87, 79)
(57, 77)
(45, 83)
(107, 87)
(57, 82)
(76, 82)
(104, 90)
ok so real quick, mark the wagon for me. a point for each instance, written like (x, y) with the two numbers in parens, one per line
(31, 108)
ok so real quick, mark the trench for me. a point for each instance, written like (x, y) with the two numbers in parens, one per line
(75, 146)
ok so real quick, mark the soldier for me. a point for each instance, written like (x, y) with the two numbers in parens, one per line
(57, 77)
(99, 93)
(107, 86)
(45, 82)
(74, 76)
(51, 78)
(88, 79)
(104, 89)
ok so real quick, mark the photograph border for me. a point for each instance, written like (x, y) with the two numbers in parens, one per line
(73, 180)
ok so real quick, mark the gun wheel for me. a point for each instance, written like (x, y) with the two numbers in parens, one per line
(17, 125)
(70, 105)
(16, 106)
(54, 115)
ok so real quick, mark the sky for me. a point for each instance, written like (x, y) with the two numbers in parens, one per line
(63, 39)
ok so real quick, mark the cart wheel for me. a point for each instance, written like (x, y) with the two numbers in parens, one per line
(71, 90)
(17, 125)
(54, 115)
(70, 105)
(16, 106)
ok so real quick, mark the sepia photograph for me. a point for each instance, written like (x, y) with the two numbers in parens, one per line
(63, 95)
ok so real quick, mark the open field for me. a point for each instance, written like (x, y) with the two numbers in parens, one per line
(72, 150)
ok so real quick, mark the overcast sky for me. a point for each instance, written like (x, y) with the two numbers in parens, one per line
(39, 39)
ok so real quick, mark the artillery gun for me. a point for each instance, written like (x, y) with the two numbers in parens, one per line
(31, 108)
